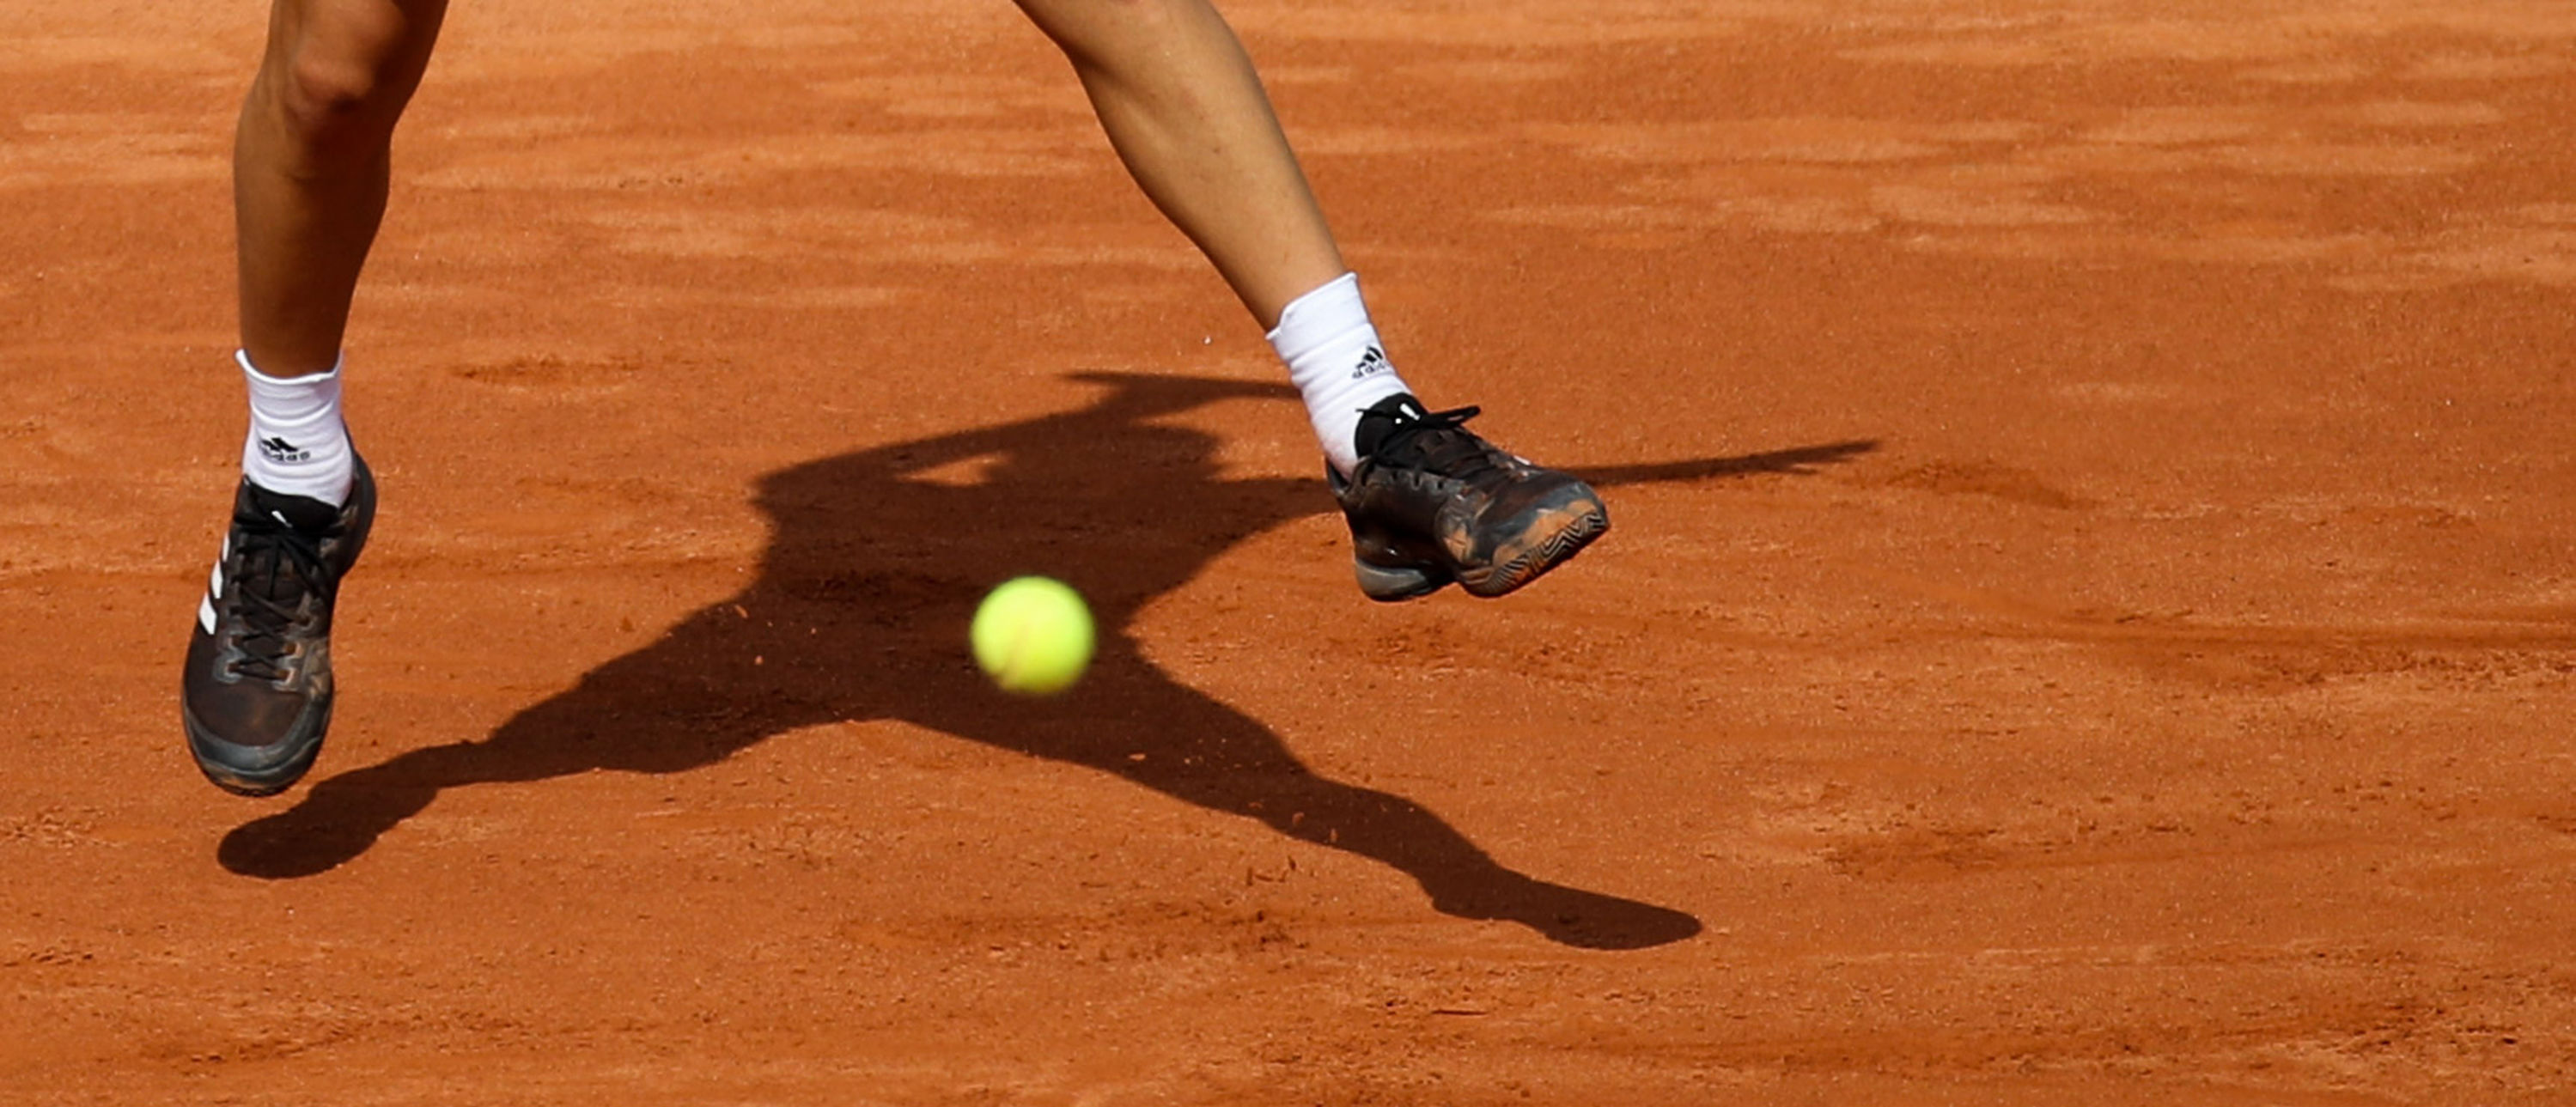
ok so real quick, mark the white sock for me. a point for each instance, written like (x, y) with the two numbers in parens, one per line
(1337, 363)
(298, 444)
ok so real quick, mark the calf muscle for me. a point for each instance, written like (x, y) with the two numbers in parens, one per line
(310, 162)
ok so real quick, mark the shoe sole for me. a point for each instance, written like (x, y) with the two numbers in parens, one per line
(255, 770)
(1396, 584)
(1570, 524)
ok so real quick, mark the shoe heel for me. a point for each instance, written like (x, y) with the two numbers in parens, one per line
(1395, 585)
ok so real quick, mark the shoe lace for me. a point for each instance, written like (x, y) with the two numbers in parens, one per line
(279, 567)
(1436, 442)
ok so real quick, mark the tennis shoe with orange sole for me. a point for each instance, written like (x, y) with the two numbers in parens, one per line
(1430, 503)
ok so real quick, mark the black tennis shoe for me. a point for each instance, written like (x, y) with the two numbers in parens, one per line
(1430, 502)
(256, 697)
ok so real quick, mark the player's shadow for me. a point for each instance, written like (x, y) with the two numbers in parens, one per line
(858, 610)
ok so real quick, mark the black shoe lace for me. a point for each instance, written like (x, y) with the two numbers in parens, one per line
(1436, 443)
(280, 566)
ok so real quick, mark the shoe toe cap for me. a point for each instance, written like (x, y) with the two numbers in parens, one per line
(253, 743)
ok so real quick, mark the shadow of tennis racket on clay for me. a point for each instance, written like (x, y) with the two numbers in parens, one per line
(855, 615)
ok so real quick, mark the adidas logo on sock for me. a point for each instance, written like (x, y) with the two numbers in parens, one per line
(1371, 364)
(277, 449)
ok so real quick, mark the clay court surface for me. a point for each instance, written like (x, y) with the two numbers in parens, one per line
(2088, 619)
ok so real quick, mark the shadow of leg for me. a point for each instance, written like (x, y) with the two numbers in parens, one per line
(689, 700)
(1131, 720)
(341, 817)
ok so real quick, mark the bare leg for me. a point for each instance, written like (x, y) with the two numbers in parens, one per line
(309, 167)
(1179, 99)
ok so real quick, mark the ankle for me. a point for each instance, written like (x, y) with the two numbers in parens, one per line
(298, 443)
(1337, 362)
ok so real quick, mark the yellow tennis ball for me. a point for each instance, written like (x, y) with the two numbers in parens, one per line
(1032, 635)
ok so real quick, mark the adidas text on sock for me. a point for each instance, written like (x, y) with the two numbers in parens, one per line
(1336, 361)
(298, 443)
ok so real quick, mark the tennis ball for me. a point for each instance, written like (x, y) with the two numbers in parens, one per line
(1032, 635)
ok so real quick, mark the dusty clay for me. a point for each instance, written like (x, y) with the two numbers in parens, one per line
(2088, 615)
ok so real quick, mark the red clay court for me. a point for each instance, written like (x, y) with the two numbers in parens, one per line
(2089, 615)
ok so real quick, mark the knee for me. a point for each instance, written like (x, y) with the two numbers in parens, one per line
(324, 98)
(343, 78)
